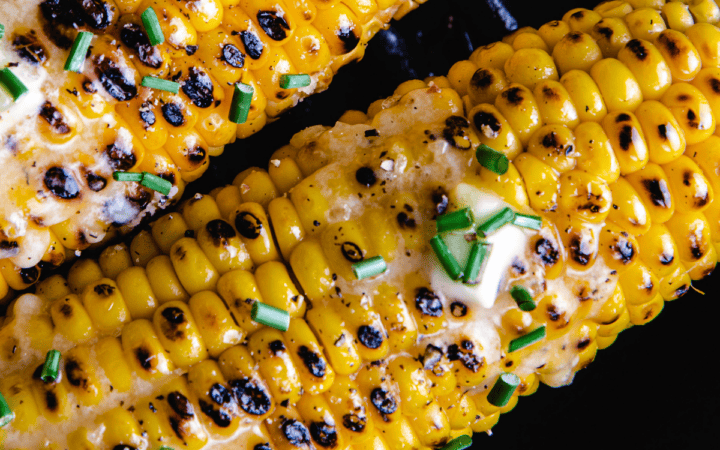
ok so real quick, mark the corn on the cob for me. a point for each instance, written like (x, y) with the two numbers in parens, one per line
(405, 359)
(63, 140)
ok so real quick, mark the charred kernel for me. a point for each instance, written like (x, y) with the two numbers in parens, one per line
(406, 221)
(104, 290)
(365, 176)
(464, 354)
(324, 434)
(148, 118)
(123, 447)
(580, 251)
(173, 113)
(352, 252)
(121, 158)
(220, 417)
(144, 358)
(173, 315)
(659, 192)
(488, 123)
(114, 80)
(383, 401)
(199, 88)
(431, 357)
(276, 347)
(191, 49)
(355, 422)
(220, 232)
(440, 200)
(181, 405)
(458, 309)
(61, 183)
(29, 275)
(251, 397)
(349, 37)
(134, 36)
(273, 24)
(482, 78)
(97, 13)
(29, 48)
(233, 56)
(253, 44)
(248, 225)
(370, 337)
(314, 363)
(62, 12)
(263, 446)
(428, 303)
(196, 154)
(96, 183)
(296, 432)
(220, 394)
(548, 252)
(456, 132)
(75, 374)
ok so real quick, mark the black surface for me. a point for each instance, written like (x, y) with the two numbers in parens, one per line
(655, 388)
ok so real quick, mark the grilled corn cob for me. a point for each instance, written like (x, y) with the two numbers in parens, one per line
(406, 359)
(64, 139)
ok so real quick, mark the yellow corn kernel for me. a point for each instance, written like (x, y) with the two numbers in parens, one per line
(344, 244)
(120, 427)
(179, 334)
(278, 289)
(639, 284)
(492, 55)
(677, 15)
(268, 348)
(86, 96)
(82, 273)
(676, 284)
(555, 146)
(180, 406)
(335, 337)
(143, 248)
(345, 401)
(114, 260)
(314, 371)
(199, 210)
(581, 19)
(238, 366)
(221, 414)
(585, 94)
(706, 37)
(485, 85)
(78, 439)
(460, 409)
(540, 181)
(596, 155)
(509, 186)
(528, 66)
(628, 141)
(664, 137)
(239, 290)
(55, 253)
(193, 268)
(552, 32)
(216, 325)
(517, 104)
(703, 267)
(311, 269)
(252, 224)
(613, 8)
(258, 187)
(691, 232)
(164, 282)
(692, 111)
(690, 188)
(584, 195)
(144, 351)
(189, 151)
(556, 315)
(167, 230)
(105, 305)
(653, 187)
(284, 173)
(494, 130)
(109, 356)
(529, 40)
(680, 54)
(396, 318)
(71, 319)
(642, 314)
(611, 34)
(618, 86)
(611, 312)
(645, 23)
(576, 50)
(223, 247)
(628, 209)
(658, 250)
(618, 248)
(556, 106)
(414, 385)
(402, 209)
(52, 288)
(704, 11)
(648, 67)
(431, 425)
(173, 23)
(81, 375)
(548, 252)
(17, 391)
(69, 236)
(460, 75)
(143, 118)
(137, 291)
(580, 240)
(369, 330)
(51, 397)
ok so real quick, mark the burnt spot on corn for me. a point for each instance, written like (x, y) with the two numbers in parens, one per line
(349, 35)
(147, 116)
(220, 417)
(583, 343)
(253, 45)
(605, 32)
(144, 358)
(638, 49)
(405, 221)
(365, 176)
(551, 142)
(98, 14)
(464, 354)
(456, 132)
(233, 56)
(61, 183)
(76, 376)
(440, 199)
(355, 421)
(262, 446)
(487, 123)
(181, 405)
(580, 250)
(682, 290)
(696, 247)
(198, 87)
(121, 157)
(124, 447)
(324, 434)
(662, 132)
(139, 197)
(658, 191)
(312, 360)
(29, 275)
(714, 84)
(431, 359)
(95, 182)
(383, 401)
(276, 347)
(135, 38)
(693, 120)
(574, 36)
(627, 136)
(195, 154)
(274, 24)
(248, 225)
(8, 249)
(173, 113)
(67, 310)
(220, 232)
(114, 79)
(550, 94)
(670, 44)
(295, 432)
(481, 79)
(514, 96)
(62, 19)
(89, 87)
(51, 401)
(548, 251)
(428, 303)
(29, 48)
(624, 250)
(104, 290)
(174, 320)
(370, 337)
(251, 396)
(622, 117)
(352, 252)
(191, 49)
(458, 309)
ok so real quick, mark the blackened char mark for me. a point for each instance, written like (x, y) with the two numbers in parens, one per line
(352, 252)
(173, 113)
(253, 45)
(220, 232)
(251, 396)
(658, 191)
(95, 182)
(324, 434)
(548, 252)
(638, 49)
(29, 275)
(219, 416)
(199, 88)
(61, 183)
(365, 176)
(233, 56)
(121, 158)
(135, 37)
(487, 123)
(296, 432)
(349, 36)
(428, 303)
(273, 24)
(248, 225)
(383, 401)
(29, 48)
(98, 14)
(313, 361)
(113, 79)
(54, 118)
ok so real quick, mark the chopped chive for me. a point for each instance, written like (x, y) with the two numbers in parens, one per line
(128, 176)
(242, 98)
(156, 183)
(459, 443)
(492, 160)
(12, 83)
(506, 215)
(78, 53)
(6, 414)
(456, 220)
(522, 297)
(160, 84)
(448, 261)
(152, 27)
(369, 267)
(529, 339)
(478, 254)
(271, 316)
(528, 221)
(2, 31)
(294, 81)
(51, 367)
(502, 391)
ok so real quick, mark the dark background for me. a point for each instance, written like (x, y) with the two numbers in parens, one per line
(655, 387)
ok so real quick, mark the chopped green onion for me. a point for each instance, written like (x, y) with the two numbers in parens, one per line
(459, 443)
(12, 84)
(294, 81)
(448, 261)
(502, 391)
(160, 84)
(269, 315)
(492, 160)
(369, 267)
(478, 255)
(156, 183)
(456, 220)
(165, 447)
(529, 339)
(78, 52)
(522, 297)
(528, 221)
(505, 216)
(2, 31)
(51, 367)
(128, 176)
(6, 414)
(152, 27)
(242, 98)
